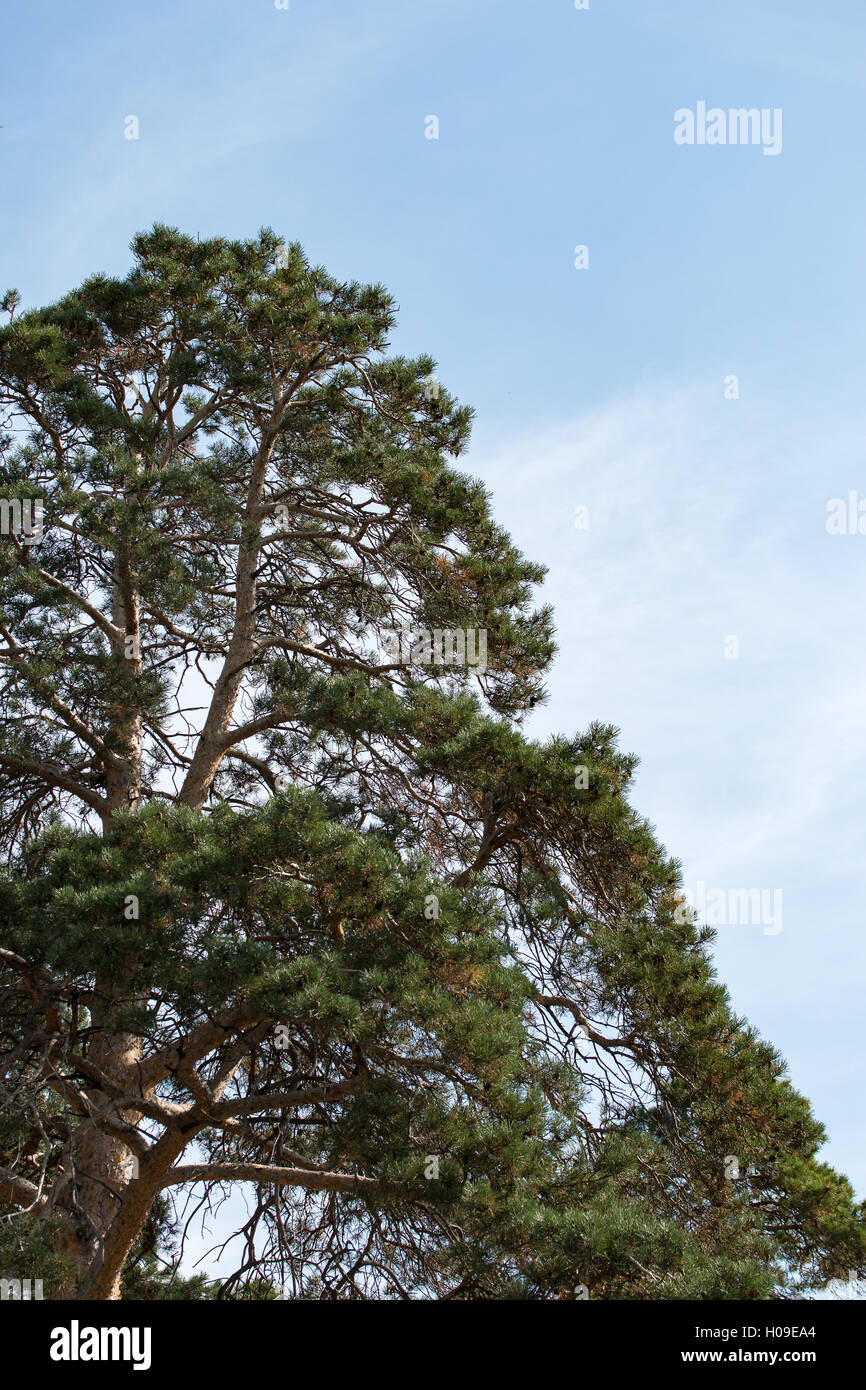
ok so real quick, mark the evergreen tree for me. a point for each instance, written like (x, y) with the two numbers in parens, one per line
(291, 908)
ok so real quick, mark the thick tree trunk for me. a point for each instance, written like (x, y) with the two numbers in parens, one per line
(128, 1222)
(104, 1166)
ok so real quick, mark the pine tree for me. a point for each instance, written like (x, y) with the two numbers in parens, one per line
(291, 902)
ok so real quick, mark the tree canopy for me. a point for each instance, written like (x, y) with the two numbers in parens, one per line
(289, 912)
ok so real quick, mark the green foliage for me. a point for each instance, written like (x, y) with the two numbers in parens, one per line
(317, 922)
(29, 1250)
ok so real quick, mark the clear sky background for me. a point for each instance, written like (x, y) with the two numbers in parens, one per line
(601, 387)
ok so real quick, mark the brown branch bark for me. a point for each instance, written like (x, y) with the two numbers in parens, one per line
(264, 1173)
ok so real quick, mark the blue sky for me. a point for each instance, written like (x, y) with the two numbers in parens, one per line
(601, 387)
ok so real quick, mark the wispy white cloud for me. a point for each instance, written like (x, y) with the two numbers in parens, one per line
(706, 520)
